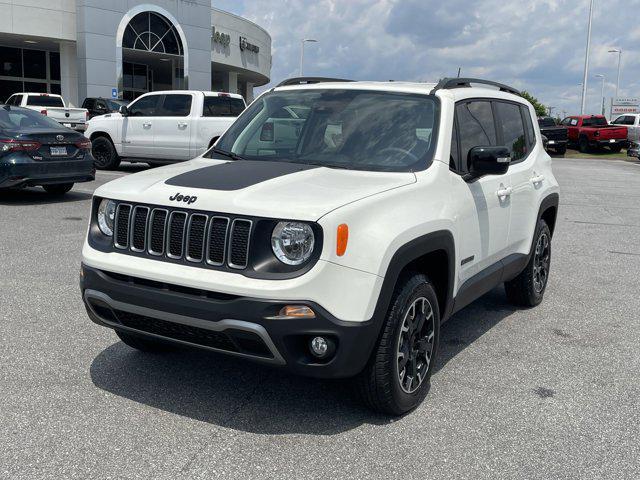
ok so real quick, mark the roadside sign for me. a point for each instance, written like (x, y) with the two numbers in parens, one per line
(114, 93)
(622, 105)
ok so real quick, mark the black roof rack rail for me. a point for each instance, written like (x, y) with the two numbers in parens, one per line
(449, 83)
(309, 80)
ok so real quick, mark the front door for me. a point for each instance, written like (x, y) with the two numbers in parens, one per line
(138, 127)
(483, 220)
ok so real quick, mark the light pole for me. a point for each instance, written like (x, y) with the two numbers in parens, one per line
(619, 52)
(550, 109)
(603, 77)
(302, 42)
(586, 61)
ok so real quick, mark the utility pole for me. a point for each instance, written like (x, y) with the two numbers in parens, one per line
(586, 60)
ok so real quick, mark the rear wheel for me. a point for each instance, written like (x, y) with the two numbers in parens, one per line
(396, 378)
(104, 154)
(58, 189)
(583, 144)
(144, 344)
(527, 289)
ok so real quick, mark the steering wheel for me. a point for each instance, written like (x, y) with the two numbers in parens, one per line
(400, 150)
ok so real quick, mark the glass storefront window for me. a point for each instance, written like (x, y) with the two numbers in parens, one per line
(35, 63)
(8, 88)
(54, 65)
(10, 62)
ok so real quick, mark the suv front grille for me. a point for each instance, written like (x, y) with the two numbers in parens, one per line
(175, 235)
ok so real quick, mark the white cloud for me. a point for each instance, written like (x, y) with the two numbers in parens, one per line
(534, 45)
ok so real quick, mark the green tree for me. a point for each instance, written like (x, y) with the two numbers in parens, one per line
(541, 110)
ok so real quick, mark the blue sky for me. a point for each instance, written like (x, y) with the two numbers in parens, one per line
(535, 45)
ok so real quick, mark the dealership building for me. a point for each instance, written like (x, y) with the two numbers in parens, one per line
(124, 48)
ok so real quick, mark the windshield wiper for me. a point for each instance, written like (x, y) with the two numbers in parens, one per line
(231, 155)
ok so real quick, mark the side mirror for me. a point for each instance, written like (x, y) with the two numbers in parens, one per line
(488, 161)
(124, 111)
(545, 142)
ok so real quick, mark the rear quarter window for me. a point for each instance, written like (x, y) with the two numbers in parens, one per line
(222, 107)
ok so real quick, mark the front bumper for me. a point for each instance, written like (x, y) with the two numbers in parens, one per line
(23, 172)
(230, 324)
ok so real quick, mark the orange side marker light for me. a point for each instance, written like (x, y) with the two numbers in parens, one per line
(343, 239)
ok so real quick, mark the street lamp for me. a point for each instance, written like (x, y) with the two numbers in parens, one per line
(619, 52)
(586, 60)
(603, 77)
(303, 41)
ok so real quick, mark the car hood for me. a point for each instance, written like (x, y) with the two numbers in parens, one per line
(253, 188)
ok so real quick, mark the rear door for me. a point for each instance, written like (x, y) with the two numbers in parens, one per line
(484, 225)
(137, 127)
(516, 132)
(172, 127)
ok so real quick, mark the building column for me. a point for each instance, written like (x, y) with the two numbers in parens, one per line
(230, 82)
(249, 93)
(69, 73)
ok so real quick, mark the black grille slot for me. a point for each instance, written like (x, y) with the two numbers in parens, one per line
(239, 243)
(122, 226)
(195, 237)
(177, 331)
(139, 228)
(157, 227)
(217, 240)
(177, 222)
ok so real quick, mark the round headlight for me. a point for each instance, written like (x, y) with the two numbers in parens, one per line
(292, 242)
(106, 216)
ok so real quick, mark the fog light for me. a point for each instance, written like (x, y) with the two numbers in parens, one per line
(319, 346)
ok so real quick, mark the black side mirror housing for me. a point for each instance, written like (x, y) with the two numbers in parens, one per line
(124, 111)
(545, 141)
(488, 161)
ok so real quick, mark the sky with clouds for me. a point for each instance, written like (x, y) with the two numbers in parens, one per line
(534, 45)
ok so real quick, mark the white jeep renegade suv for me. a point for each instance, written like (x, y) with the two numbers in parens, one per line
(331, 230)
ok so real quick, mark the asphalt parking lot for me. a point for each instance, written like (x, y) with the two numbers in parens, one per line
(548, 393)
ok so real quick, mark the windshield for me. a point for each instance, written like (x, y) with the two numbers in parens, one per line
(594, 122)
(546, 122)
(17, 118)
(353, 129)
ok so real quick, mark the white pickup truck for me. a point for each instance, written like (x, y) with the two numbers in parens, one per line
(52, 106)
(162, 127)
(632, 122)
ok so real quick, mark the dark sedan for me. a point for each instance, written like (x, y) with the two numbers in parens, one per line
(36, 150)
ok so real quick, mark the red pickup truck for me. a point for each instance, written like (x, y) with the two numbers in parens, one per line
(593, 131)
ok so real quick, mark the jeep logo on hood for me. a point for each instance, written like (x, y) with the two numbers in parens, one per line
(188, 199)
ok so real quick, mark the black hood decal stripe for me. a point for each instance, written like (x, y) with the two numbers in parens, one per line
(235, 175)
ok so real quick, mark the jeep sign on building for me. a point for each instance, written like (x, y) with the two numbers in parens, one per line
(123, 48)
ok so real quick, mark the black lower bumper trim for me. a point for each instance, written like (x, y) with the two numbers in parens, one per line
(231, 324)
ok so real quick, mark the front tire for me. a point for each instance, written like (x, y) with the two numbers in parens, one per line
(104, 154)
(396, 378)
(527, 289)
(58, 189)
(144, 344)
(583, 145)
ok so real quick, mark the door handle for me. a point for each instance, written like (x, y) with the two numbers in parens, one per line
(182, 124)
(537, 179)
(504, 192)
(146, 124)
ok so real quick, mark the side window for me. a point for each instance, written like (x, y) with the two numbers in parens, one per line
(145, 107)
(573, 122)
(101, 105)
(176, 106)
(619, 121)
(512, 129)
(89, 103)
(476, 128)
(222, 107)
(528, 124)
(629, 120)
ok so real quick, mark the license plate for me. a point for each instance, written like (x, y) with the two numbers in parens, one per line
(552, 142)
(58, 151)
(612, 141)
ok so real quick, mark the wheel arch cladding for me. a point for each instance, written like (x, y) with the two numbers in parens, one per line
(432, 254)
(549, 210)
(95, 135)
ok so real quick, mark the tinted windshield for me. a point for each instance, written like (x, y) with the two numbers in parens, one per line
(25, 119)
(594, 122)
(546, 122)
(44, 101)
(354, 129)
